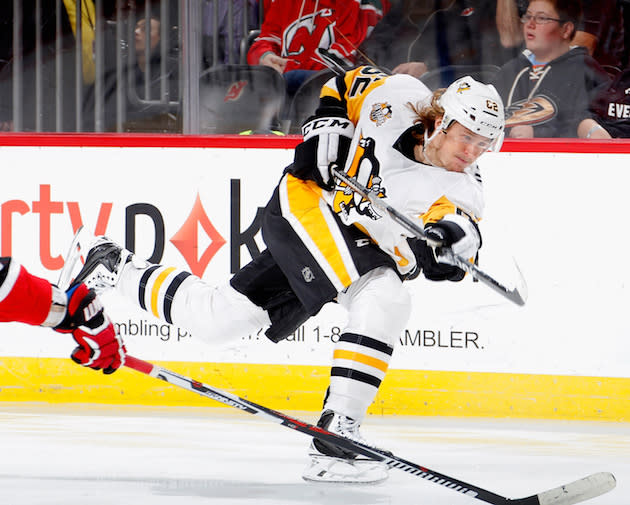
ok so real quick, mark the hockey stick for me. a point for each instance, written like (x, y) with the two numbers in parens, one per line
(516, 294)
(575, 492)
(72, 257)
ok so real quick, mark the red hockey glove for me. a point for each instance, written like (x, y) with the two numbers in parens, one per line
(100, 347)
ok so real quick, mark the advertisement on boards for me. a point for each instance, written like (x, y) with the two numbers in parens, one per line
(557, 215)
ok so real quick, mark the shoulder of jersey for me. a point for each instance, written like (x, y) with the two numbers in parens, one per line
(389, 103)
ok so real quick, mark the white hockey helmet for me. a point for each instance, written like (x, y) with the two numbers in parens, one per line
(476, 106)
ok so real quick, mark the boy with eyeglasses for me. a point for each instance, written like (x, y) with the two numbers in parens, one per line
(601, 33)
(548, 87)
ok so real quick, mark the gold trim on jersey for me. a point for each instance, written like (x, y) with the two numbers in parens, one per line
(402, 262)
(440, 208)
(356, 84)
(312, 219)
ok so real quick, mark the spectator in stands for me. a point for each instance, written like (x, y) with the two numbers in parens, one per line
(220, 45)
(149, 80)
(299, 38)
(548, 88)
(149, 90)
(141, 40)
(44, 119)
(601, 30)
(420, 35)
(508, 19)
(612, 108)
(88, 21)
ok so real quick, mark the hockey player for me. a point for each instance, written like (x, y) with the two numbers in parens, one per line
(324, 243)
(28, 299)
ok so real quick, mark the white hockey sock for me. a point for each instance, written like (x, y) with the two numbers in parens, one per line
(359, 365)
(215, 314)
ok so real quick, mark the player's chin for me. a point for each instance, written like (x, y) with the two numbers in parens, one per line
(457, 164)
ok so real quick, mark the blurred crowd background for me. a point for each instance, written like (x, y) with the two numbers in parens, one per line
(257, 66)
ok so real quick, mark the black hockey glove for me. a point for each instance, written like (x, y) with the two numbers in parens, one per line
(327, 137)
(458, 234)
(428, 265)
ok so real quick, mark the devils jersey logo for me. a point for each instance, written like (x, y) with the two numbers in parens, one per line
(308, 33)
(235, 91)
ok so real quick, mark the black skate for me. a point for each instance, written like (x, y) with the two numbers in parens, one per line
(103, 264)
(330, 463)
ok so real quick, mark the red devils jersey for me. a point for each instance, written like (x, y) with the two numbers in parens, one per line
(295, 29)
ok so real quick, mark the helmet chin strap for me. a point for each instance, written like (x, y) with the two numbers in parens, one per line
(427, 141)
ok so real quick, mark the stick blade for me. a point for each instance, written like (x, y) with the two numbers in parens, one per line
(75, 257)
(520, 285)
(579, 491)
(516, 290)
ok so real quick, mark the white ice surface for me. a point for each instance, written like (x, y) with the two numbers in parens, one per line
(92, 455)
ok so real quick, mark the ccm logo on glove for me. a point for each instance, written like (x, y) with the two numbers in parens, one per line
(329, 125)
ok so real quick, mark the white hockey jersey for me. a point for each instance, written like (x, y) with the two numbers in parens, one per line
(378, 106)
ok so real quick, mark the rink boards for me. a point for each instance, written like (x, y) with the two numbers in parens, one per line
(465, 350)
(301, 387)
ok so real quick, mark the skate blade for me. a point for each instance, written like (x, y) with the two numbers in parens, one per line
(326, 469)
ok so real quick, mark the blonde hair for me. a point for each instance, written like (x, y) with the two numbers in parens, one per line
(427, 114)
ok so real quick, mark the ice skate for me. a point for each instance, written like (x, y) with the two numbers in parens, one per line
(103, 265)
(334, 464)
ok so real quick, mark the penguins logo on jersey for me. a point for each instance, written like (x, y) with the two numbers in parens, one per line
(365, 169)
(538, 110)
(380, 113)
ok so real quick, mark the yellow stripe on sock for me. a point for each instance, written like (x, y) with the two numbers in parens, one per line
(155, 289)
(361, 358)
